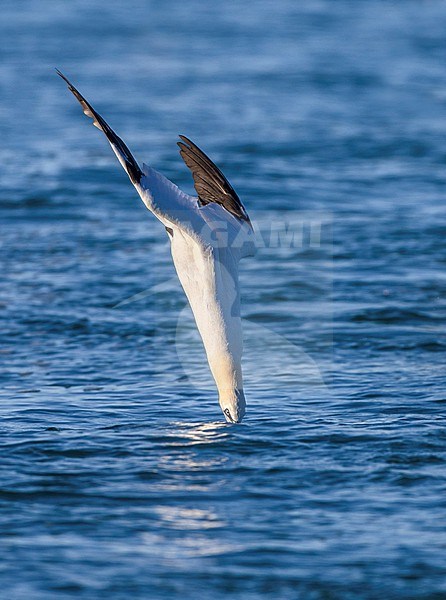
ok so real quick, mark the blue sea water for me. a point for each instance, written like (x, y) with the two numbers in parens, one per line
(118, 477)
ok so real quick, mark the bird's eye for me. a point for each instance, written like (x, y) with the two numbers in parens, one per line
(227, 413)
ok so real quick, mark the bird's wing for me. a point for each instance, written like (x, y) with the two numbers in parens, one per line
(209, 181)
(124, 155)
(169, 204)
(210, 219)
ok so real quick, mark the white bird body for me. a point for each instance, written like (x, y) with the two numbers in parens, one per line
(208, 236)
(206, 245)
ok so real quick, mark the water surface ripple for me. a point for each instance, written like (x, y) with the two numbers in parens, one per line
(118, 478)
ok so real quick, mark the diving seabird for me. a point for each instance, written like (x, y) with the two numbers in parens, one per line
(208, 236)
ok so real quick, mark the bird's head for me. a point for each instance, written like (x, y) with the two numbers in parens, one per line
(233, 405)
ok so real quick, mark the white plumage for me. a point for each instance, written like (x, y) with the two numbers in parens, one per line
(208, 234)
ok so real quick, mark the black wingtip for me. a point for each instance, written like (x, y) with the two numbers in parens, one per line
(209, 182)
(184, 145)
(131, 166)
(67, 81)
(61, 75)
(185, 142)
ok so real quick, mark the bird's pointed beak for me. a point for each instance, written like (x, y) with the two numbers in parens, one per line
(233, 405)
(229, 418)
